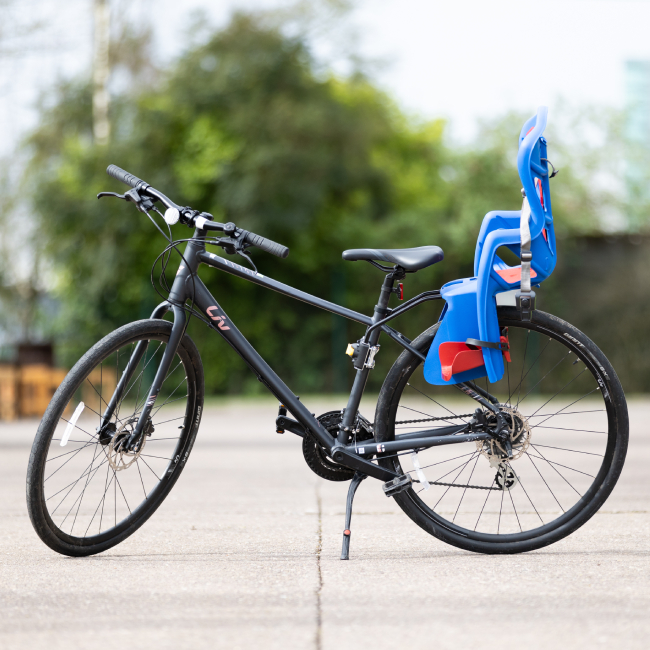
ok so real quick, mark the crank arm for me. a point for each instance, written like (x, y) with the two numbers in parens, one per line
(343, 456)
(284, 423)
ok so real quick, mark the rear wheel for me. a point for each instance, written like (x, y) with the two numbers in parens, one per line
(569, 436)
(84, 492)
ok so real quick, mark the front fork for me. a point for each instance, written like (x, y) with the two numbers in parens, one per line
(178, 329)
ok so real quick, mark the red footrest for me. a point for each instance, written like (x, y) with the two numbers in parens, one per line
(457, 357)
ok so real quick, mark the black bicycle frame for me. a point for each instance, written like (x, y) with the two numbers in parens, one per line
(188, 286)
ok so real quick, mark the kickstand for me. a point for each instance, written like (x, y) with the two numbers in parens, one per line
(354, 484)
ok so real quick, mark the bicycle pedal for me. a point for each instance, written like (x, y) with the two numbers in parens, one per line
(397, 485)
(282, 411)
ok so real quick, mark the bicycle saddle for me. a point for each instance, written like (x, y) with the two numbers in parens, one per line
(411, 259)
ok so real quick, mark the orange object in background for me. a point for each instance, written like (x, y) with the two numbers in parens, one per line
(98, 382)
(37, 384)
(9, 391)
(25, 391)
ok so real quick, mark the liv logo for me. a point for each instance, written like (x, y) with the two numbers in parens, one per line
(220, 319)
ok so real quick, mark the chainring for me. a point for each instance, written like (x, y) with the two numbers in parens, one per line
(316, 457)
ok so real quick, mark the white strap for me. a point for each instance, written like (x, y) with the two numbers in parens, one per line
(71, 424)
(418, 470)
(526, 257)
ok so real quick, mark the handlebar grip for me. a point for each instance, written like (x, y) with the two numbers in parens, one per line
(125, 177)
(267, 245)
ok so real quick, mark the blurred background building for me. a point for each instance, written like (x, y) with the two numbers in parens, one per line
(325, 125)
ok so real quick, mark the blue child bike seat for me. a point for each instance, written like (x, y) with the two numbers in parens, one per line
(468, 343)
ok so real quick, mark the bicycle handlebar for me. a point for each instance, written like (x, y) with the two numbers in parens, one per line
(266, 245)
(128, 179)
(250, 238)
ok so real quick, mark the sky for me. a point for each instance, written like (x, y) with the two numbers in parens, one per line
(464, 60)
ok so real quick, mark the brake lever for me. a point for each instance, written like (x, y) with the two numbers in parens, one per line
(115, 194)
(132, 196)
(234, 244)
(247, 257)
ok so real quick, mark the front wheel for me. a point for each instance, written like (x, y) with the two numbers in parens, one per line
(569, 425)
(86, 492)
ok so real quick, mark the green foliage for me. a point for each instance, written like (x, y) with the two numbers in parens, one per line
(244, 128)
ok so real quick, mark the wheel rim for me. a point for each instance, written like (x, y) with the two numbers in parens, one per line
(87, 499)
(554, 384)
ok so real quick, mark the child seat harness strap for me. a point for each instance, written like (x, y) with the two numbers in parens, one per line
(488, 344)
(525, 298)
(526, 256)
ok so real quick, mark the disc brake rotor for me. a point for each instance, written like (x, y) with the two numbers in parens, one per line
(120, 458)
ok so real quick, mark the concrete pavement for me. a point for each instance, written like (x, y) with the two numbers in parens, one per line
(244, 554)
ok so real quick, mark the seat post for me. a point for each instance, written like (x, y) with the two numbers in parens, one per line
(361, 377)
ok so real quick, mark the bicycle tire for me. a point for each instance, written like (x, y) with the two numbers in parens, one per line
(165, 460)
(561, 335)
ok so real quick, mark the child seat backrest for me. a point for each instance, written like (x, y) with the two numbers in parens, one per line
(534, 174)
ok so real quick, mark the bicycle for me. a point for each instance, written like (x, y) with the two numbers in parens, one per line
(541, 447)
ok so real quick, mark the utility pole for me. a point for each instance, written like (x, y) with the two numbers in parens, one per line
(101, 71)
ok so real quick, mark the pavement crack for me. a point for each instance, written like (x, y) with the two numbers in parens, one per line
(318, 641)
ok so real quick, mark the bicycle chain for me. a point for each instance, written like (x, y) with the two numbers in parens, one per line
(448, 417)
(471, 487)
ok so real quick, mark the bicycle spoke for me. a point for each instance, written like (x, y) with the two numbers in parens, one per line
(519, 401)
(107, 485)
(573, 469)
(72, 451)
(539, 426)
(547, 374)
(575, 451)
(521, 530)
(447, 460)
(480, 514)
(76, 426)
(150, 456)
(147, 464)
(137, 463)
(529, 499)
(434, 401)
(83, 492)
(453, 481)
(560, 412)
(500, 511)
(76, 451)
(523, 365)
(469, 480)
(543, 479)
(567, 406)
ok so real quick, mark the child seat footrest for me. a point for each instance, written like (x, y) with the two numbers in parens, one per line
(457, 357)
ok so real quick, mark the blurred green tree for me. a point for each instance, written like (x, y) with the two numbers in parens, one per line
(243, 126)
